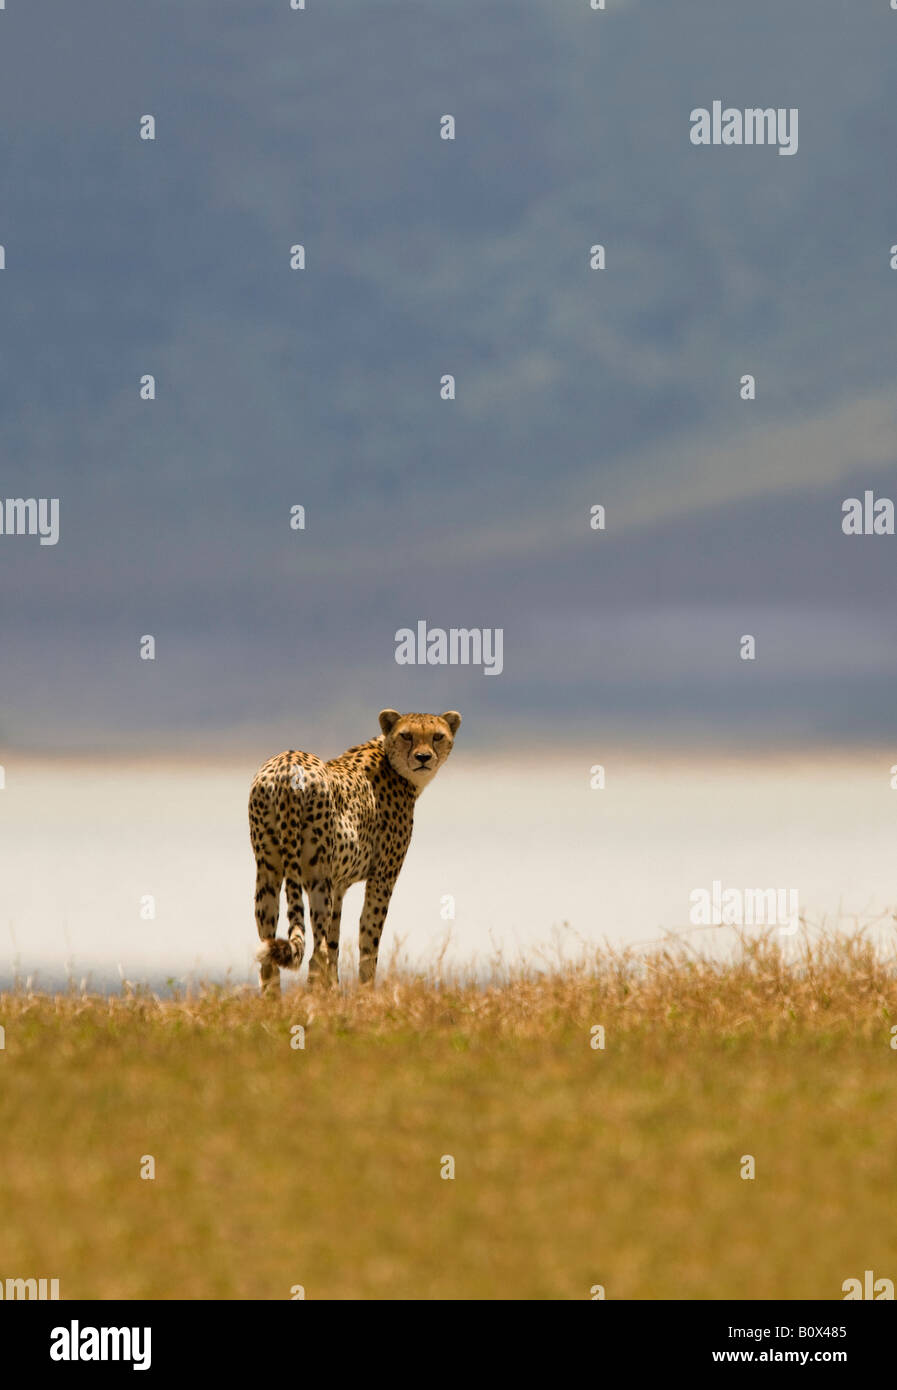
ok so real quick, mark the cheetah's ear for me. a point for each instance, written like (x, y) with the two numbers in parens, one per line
(453, 719)
(388, 719)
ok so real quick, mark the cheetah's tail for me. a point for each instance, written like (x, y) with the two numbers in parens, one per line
(279, 952)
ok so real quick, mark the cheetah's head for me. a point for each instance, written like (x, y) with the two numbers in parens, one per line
(418, 744)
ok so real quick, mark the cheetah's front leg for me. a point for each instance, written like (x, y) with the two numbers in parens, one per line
(377, 893)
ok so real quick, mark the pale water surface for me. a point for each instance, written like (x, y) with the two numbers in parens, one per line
(521, 848)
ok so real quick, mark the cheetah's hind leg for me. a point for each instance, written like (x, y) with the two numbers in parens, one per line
(275, 953)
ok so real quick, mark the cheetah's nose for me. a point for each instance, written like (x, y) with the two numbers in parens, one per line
(423, 758)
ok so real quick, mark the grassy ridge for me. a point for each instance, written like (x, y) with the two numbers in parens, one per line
(574, 1166)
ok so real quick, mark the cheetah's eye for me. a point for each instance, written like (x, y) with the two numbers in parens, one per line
(437, 738)
(408, 737)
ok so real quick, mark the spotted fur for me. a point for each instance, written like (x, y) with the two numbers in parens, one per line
(320, 827)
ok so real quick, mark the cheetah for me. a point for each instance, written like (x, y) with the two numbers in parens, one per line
(323, 826)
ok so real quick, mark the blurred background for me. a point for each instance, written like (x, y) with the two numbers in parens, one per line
(320, 388)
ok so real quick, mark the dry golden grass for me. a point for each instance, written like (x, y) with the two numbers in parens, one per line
(574, 1166)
